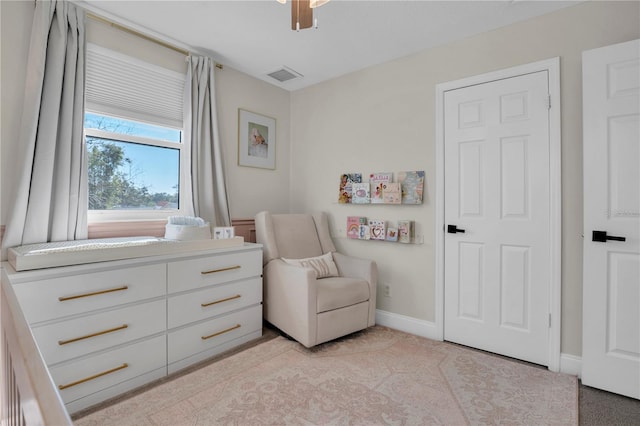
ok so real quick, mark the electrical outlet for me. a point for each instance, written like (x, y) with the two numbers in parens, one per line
(386, 290)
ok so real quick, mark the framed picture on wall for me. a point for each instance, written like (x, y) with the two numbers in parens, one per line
(256, 140)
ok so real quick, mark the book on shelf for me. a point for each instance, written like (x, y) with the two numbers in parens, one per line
(392, 234)
(412, 186)
(360, 193)
(376, 180)
(377, 229)
(364, 233)
(353, 226)
(391, 193)
(346, 182)
(405, 231)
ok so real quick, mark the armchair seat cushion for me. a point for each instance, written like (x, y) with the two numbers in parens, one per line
(339, 292)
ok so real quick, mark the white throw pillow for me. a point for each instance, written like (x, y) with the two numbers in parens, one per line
(323, 265)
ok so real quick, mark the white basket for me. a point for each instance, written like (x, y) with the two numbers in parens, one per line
(187, 233)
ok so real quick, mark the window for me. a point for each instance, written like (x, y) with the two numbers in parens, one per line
(134, 136)
(132, 166)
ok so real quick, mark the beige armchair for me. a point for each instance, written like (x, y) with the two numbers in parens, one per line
(312, 310)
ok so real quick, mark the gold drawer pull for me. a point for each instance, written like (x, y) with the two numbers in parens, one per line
(204, 305)
(213, 271)
(220, 332)
(95, 293)
(88, 336)
(95, 376)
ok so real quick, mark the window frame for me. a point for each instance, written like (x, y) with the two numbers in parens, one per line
(96, 216)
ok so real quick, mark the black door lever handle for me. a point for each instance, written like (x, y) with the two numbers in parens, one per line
(602, 237)
(452, 229)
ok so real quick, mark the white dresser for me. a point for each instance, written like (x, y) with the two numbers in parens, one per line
(108, 327)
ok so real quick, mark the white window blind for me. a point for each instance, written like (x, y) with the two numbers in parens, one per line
(124, 86)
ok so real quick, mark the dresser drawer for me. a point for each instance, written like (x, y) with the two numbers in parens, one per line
(59, 297)
(80, 378)
(206, 335)
(196, 273)
(213, 301)
(80, 336)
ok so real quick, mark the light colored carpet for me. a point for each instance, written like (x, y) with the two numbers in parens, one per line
(378, 376)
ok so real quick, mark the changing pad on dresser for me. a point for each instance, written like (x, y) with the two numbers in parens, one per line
(64, 253)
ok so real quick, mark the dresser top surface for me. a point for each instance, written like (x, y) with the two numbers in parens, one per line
(78, 262)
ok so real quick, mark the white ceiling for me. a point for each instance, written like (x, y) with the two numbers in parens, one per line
(255, 37)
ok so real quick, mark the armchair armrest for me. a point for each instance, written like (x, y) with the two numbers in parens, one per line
(367, 269)
(354, 267)
(290, 300)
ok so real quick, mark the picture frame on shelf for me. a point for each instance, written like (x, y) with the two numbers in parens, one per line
(256, 140)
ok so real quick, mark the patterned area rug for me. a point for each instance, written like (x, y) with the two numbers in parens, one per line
(378, 376)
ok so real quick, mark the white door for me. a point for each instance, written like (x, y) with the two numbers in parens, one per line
(497, 216)
(611, 273)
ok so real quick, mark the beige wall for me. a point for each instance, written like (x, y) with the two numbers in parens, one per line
(382, 119)
(250, 189)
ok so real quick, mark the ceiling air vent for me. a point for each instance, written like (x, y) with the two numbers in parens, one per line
(284, 74)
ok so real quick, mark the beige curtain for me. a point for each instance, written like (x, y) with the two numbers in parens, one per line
(207, 181)
(50, 201)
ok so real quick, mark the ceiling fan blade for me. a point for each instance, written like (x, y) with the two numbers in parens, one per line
(301, 12)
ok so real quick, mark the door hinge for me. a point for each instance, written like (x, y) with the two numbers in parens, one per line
(548, 101)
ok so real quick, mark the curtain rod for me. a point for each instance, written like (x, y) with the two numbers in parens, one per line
(141, 35)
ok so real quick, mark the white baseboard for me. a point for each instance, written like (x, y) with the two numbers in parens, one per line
(571, 364)
(407, 324)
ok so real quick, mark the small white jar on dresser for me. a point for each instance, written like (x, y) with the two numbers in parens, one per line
(107, 327)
